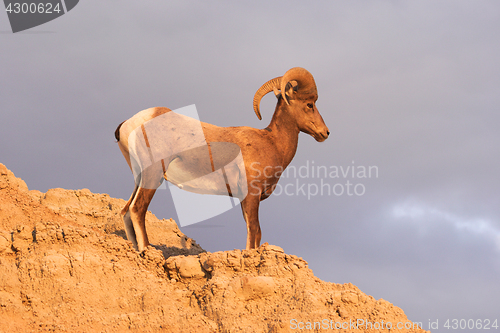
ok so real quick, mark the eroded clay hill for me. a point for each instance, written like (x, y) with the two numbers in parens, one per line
(66, 267)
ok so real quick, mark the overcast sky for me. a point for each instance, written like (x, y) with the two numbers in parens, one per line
(409, 88)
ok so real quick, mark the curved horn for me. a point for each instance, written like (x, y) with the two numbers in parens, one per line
(303, 78)
(271, 85)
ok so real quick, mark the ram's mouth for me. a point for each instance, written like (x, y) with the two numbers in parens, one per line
(313, 131)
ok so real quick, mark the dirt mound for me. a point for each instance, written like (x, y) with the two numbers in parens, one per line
(66, 267)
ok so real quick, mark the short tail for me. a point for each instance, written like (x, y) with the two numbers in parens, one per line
(117, 132)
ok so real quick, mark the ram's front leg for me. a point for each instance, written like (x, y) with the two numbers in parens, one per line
(250, 208)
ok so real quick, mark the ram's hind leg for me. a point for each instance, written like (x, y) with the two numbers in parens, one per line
(129, 228)
(138, 208)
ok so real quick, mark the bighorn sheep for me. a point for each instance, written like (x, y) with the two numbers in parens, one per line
(266, 153)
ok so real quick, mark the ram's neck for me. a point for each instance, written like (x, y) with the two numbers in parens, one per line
(285, 131)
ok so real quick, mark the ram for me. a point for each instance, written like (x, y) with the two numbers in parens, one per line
(187, 159)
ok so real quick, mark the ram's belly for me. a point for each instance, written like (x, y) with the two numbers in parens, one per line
(194, 180)
(210, 169)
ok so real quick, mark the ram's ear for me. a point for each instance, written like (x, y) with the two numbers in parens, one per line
(290, 89)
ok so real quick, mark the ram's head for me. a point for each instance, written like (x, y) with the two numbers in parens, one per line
(299, 94)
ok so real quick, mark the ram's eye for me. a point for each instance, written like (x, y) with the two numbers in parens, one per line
(310, 105)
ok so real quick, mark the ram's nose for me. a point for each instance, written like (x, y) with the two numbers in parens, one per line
(324, 134)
